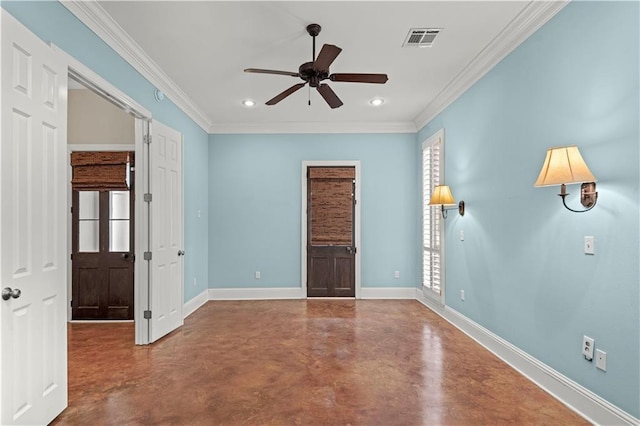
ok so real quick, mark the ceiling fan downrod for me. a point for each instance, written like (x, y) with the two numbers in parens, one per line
(313, 30)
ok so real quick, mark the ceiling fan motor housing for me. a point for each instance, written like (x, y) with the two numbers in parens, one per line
(308, 73)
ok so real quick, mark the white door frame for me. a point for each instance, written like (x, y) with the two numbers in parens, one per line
(143, 115)
(303, 246)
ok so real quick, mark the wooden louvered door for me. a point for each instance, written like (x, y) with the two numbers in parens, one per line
(330, 240)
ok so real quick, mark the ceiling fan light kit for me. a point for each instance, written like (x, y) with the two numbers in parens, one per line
(316, 71)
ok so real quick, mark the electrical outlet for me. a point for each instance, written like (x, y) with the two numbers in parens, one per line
(601, 360)
(396, 274)
(462, 295)
(258, 275)
(587, 347)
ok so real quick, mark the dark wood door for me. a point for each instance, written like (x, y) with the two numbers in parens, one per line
(330, 232)
(102, 255)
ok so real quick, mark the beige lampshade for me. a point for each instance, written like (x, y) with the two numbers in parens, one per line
(442, 196)
(564, 165)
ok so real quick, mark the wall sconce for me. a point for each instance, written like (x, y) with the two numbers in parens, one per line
(442, 197)
(564, 165)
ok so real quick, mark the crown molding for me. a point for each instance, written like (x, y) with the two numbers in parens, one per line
(528, 21)
(312, 127)
(90, 13)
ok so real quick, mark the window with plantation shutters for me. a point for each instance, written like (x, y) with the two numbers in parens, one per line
(432, 226)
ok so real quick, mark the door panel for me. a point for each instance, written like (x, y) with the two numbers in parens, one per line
(102, 265)
(33, 333)
(330, 249)
(166, 232)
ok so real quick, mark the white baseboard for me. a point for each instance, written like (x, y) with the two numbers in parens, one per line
(387, 292)
(575, 396)
(255, 293)
(192, 305)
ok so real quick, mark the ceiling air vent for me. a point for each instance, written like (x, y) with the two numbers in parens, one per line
(421, 37)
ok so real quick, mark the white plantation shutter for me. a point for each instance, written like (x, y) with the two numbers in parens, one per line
(432, 171)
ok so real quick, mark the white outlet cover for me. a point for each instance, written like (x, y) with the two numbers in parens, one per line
(587, 347)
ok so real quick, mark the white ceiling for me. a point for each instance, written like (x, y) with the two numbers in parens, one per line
(196, 52)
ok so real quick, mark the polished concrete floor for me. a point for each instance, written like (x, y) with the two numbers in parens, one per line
(313, 362)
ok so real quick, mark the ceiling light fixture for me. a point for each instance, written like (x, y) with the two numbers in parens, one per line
(248, 103)
(376, 101)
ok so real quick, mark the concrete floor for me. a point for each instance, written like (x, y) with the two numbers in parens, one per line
(300, 362)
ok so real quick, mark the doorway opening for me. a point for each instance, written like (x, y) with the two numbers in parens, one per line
(331, 229)
(101, 145)
(116, 107)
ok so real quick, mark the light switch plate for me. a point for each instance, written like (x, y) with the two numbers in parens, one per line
(601, 360)
(588, 245)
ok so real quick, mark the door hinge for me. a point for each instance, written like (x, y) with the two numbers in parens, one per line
(147, 314)
(355, 250)
(71, 256)
(146, 138)
(147, 255)
(147, 197)
(71, 303)
(71, 208)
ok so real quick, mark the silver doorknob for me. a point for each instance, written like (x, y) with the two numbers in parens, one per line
(8, 293)
(180, 252)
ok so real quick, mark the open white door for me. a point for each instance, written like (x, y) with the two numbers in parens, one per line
(33, 333)
(166, 231)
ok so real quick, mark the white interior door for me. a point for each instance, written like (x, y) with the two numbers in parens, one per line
(33, 356)
(166, 239)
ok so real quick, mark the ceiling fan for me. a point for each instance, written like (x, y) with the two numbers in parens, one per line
(317, 70)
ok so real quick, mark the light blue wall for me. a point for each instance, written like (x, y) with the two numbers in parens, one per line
(53, 22)
(522, 264)
(255, 217)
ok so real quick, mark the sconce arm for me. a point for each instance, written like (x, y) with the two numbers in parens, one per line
(563, 194)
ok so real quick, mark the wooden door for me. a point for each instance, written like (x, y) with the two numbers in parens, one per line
(102, 258)
(166, 231)
(330, 227)
(33, 264)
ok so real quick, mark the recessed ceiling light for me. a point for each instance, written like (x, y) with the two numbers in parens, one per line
(248, 103)
(376, 102)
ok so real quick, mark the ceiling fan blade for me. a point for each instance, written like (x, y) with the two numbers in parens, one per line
(286, 93)
(261, 71)
(330, 96)
(326, 57)
(360, 78)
